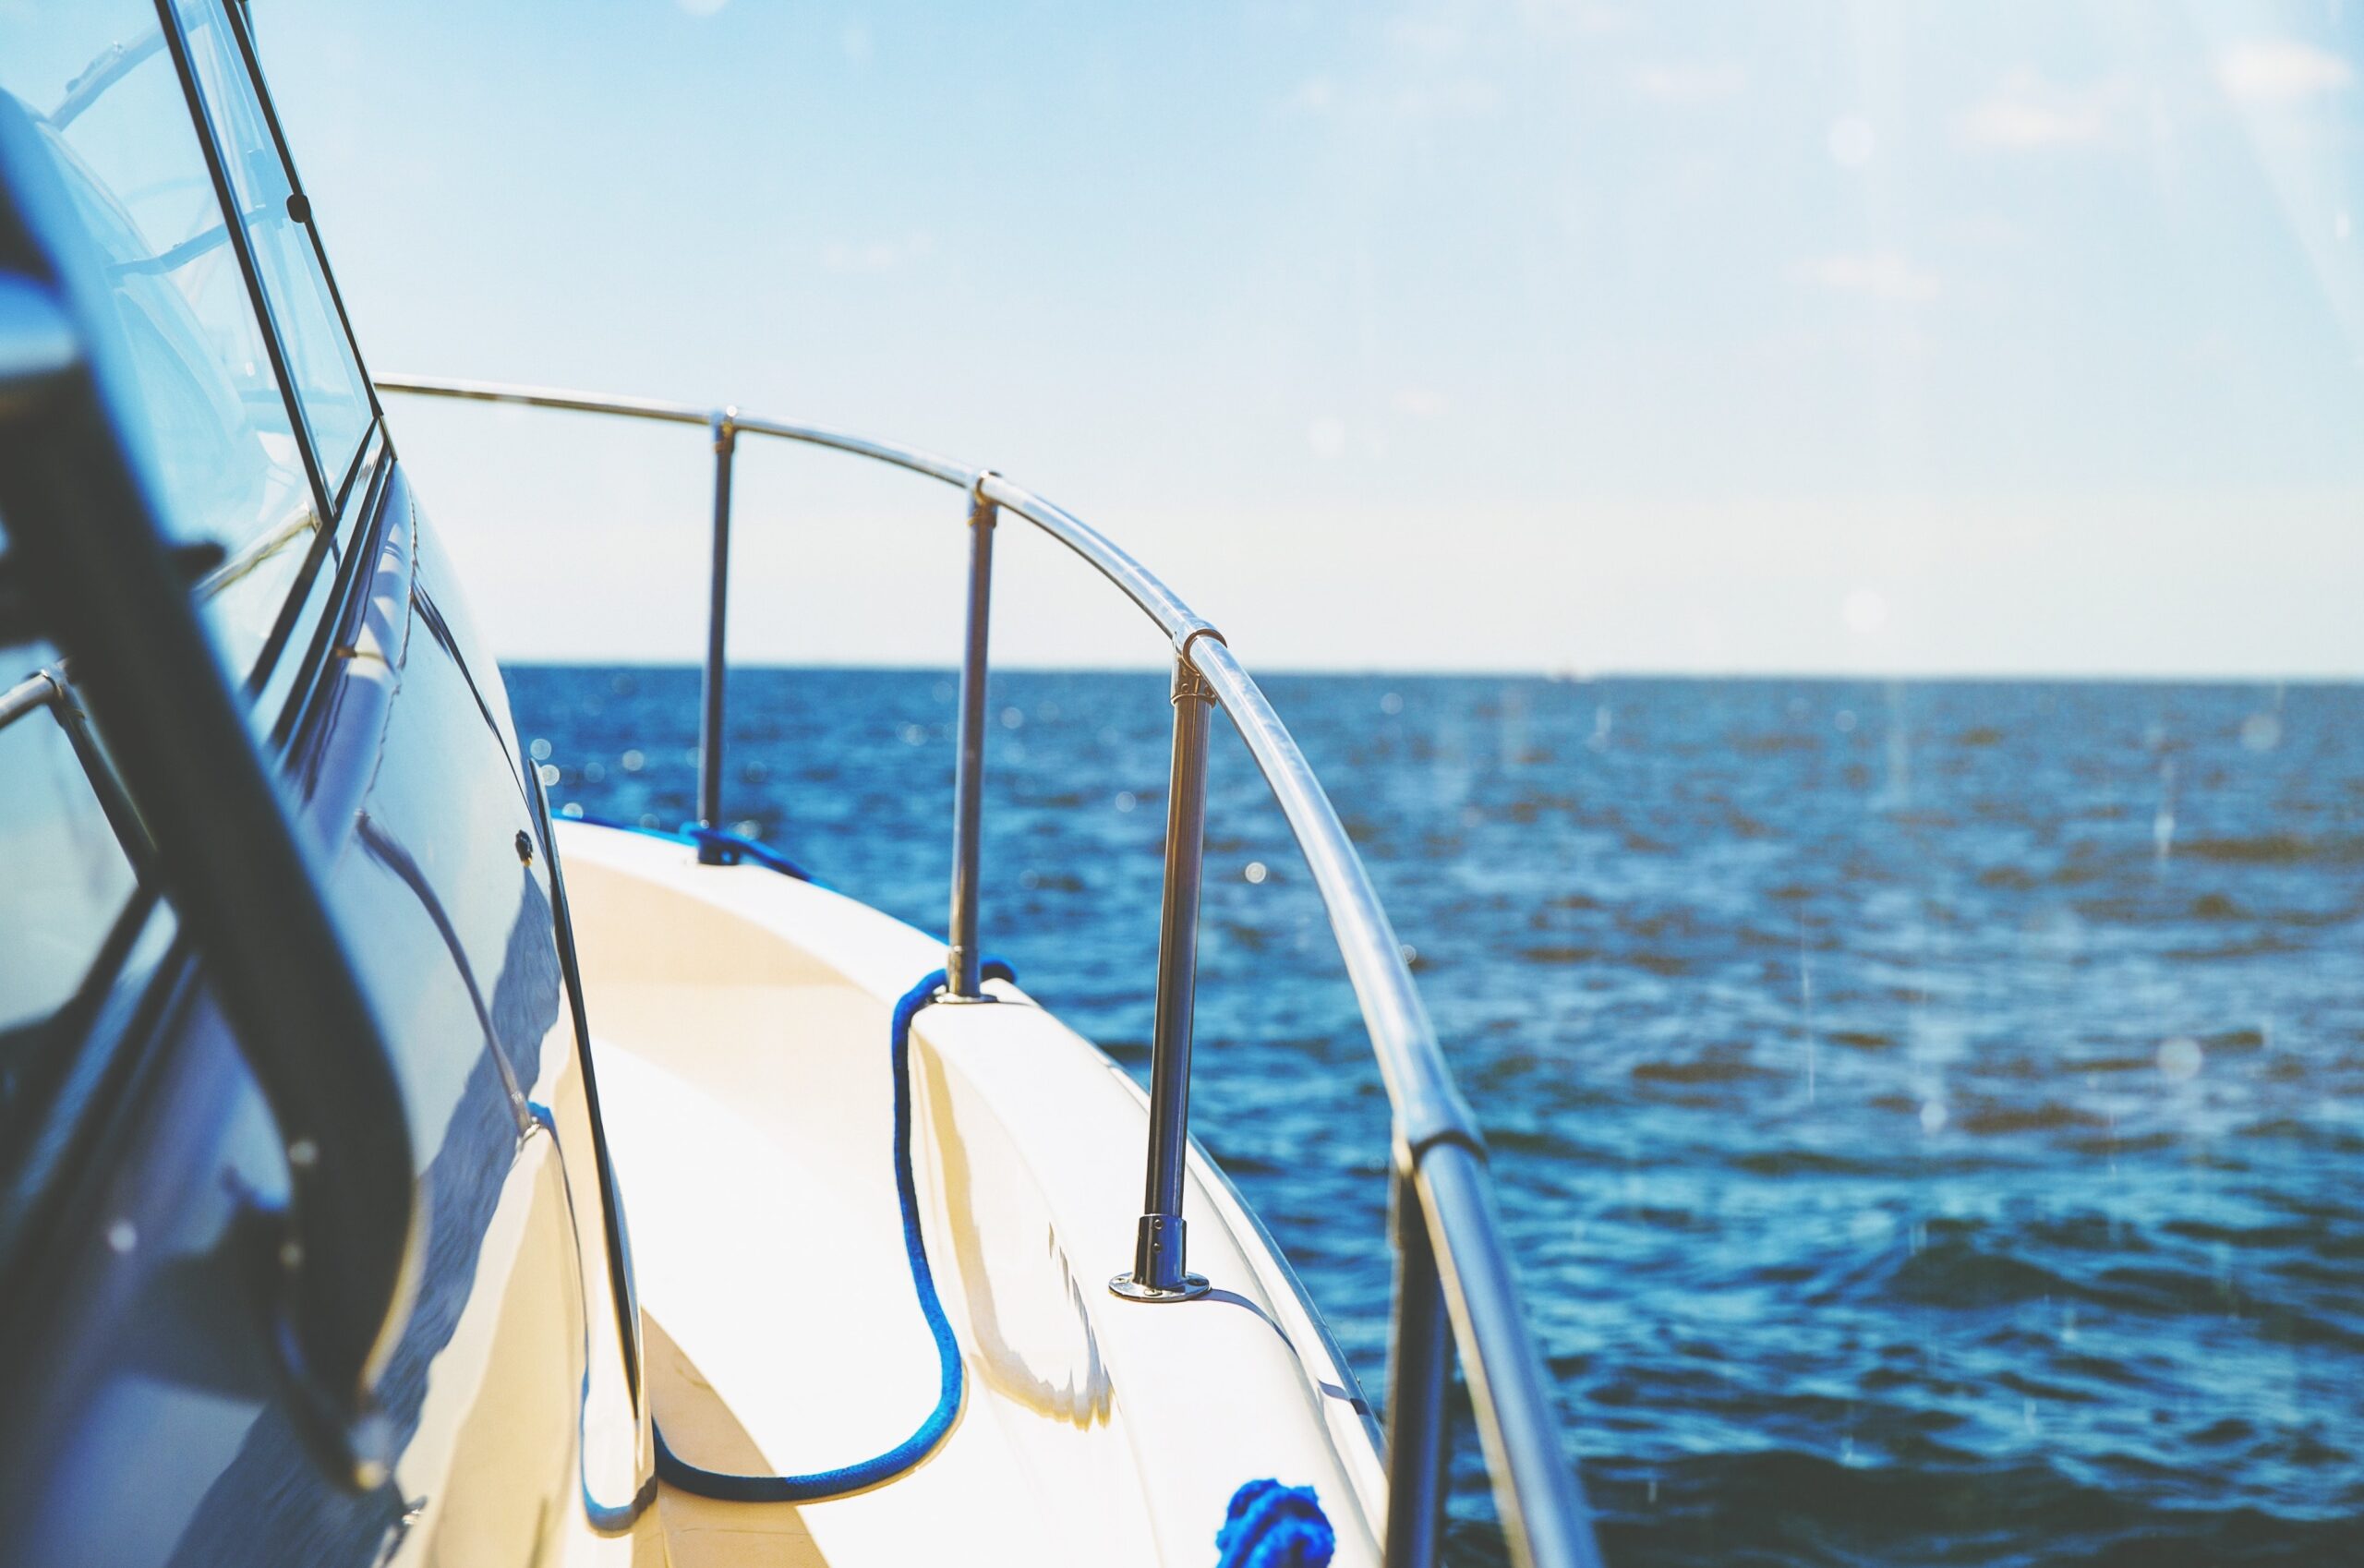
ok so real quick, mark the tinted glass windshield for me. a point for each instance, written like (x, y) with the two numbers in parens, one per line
(67, 877)
(94, 86)
(70, 905)
(103, 97)
(319, 357)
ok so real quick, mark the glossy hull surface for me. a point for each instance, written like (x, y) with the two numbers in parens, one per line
(151, 1417)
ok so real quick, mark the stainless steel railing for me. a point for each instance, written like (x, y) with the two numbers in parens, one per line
(1453, 1286)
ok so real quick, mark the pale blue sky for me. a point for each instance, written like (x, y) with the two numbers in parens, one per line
(1561, 336)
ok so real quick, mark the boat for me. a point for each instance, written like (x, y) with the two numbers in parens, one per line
(393, 1171)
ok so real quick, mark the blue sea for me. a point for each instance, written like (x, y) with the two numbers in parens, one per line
(1929, 1115)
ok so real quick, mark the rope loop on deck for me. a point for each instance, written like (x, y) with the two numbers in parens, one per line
(676, 1471)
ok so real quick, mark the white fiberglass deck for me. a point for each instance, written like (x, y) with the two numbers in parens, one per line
(740, 1022)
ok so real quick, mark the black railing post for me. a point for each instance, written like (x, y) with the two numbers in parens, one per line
(962, 955)
(1419, 1359)
(718, 605)
(1161, 1271)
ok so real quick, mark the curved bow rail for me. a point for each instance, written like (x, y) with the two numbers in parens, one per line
(1454, 1271)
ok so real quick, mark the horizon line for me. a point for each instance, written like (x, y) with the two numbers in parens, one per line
(1555, 677)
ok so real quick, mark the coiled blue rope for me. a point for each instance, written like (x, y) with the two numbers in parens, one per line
(680, 1472)
(1270, 1526)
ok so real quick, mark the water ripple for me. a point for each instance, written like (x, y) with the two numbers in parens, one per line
(1929, 1136)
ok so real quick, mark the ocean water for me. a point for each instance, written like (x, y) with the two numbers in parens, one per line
(1929, 1116)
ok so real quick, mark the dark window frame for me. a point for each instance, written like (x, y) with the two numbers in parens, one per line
(341, 518)
(208, 144)
(242, 28)
(129, 1029)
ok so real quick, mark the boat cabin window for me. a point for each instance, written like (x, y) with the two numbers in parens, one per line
(66, 887)
(94, 86)
(329, 384)
(67, 877)
(99, 88)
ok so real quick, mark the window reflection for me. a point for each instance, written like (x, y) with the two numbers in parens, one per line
(319, 357)
(67, 875)
(69, 893)
(213, 427)
(176, 330)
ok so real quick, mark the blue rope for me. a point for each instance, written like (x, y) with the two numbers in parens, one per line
(885, 1466)
(1270, 1526)
(736, 848)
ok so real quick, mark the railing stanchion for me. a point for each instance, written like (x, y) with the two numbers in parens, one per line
(1418, 1364)
(1537, 1494)
(962, 955)
(1161, 1271)
(726, 440)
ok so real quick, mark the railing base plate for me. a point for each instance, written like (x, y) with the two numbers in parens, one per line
(1190, 1289)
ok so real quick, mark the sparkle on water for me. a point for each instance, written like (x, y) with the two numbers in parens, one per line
(1927, 1116)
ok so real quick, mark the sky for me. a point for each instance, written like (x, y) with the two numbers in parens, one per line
(1869, 338)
